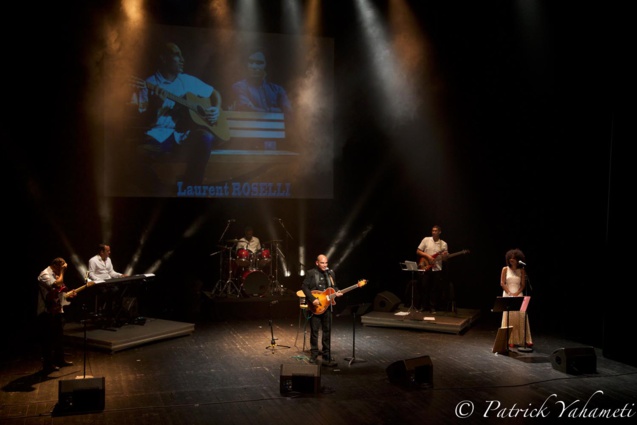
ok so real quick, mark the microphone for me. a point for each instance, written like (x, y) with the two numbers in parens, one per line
(232, 220)
(522, 263)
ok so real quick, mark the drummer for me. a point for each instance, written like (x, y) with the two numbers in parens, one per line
(249, 242)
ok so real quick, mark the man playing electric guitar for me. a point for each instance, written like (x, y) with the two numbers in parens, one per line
(175, 127)
(320, 279)
(431, 251)
(50, 321)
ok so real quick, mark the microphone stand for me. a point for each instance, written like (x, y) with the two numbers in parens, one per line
(221, 284)
(288, 236)
(273, 345)
(330, 362)
(84, 321)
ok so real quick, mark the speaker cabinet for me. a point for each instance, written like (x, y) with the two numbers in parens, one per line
(417, 372)
(300, 379)
(80, 396)
(386, 302)
(575, 360)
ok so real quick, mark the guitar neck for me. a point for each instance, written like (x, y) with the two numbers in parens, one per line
(349, 288)
(81, 288)
(174, 98)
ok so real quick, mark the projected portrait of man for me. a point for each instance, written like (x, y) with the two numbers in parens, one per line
(255, 92)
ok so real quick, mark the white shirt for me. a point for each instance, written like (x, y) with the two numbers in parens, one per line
(99, 269)
(254, 245)
(432, 247)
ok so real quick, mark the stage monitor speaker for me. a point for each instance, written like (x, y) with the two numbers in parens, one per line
(304, 379)
(417, 372)
(575, 360)
(386, 302)
(80, 396)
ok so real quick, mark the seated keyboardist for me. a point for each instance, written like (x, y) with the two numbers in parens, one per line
(100, 267)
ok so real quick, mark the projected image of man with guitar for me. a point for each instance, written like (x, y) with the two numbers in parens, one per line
(320, 291)
(182, 119)
(431, 252)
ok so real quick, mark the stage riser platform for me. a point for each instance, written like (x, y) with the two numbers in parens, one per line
(443, 321)
(115, 339)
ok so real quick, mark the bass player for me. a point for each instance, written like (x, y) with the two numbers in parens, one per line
(431, 252)
(50, 315)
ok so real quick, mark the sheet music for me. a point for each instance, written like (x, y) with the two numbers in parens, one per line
(410, 266)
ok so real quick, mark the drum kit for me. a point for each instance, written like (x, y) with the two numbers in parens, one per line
(245, 270)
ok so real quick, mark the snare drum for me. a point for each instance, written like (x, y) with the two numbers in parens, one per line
(244, 258)
(263, 258)
(255, 283)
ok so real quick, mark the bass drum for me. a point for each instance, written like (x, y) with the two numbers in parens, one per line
(255, 283)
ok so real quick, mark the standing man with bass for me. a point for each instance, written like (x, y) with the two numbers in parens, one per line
(431, 252)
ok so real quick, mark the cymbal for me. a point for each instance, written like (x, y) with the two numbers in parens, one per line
(232, 240)
(279, 240)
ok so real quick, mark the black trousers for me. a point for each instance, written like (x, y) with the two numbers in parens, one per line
(431, 287)
(321, 323)
(50, 332)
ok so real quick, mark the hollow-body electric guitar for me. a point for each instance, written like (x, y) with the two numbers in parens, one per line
(327, 297)
(424, 264)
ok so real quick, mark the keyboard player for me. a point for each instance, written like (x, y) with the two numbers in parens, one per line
(100, 267)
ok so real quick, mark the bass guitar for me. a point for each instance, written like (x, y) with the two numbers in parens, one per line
(424, 264)
(196, 106)
(327, 297)
(55, 302)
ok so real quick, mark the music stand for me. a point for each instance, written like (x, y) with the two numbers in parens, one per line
(359, 309)
(411, 266)
(507, 304)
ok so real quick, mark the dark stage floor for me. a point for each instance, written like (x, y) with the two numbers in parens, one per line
(227, 371)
